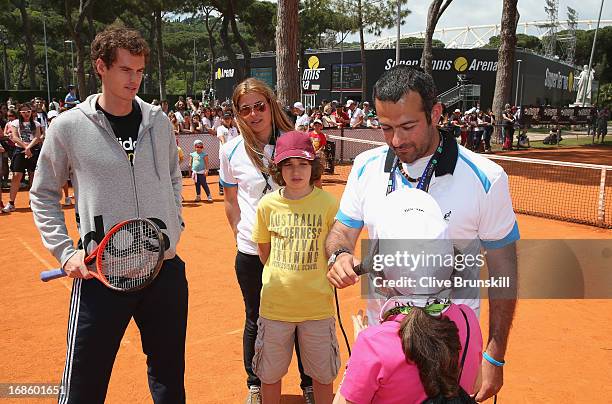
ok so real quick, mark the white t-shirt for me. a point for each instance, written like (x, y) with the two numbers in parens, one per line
(356, 115)
(474, 199)
(179, 117)
(41, 118)
(216, 122)
(206, 123)
(302, 120)
(237, 170)
(226, 134)
(25, 133)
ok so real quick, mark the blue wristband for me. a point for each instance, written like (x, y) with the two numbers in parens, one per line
(492, 361)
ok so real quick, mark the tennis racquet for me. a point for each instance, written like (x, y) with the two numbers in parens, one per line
(128, 258)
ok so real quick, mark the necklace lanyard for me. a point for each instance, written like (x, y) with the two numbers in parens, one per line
(266, 176)
(425, 178)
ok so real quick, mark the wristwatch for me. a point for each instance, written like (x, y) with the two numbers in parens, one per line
(332, 258)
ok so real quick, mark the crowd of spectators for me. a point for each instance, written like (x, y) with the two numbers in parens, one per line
(23, 125)
(333, 114)
(22, 132)
(474, 127)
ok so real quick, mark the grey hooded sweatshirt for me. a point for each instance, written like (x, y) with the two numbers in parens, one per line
(108, 189)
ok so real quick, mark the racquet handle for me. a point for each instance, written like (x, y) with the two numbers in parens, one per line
(51, 274)
(360, 269)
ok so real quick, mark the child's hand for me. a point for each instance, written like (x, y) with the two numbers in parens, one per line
(360, 323)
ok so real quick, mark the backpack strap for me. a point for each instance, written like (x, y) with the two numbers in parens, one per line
(467, 342)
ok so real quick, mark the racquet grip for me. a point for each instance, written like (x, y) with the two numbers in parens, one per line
(360, 270)
(51, 274)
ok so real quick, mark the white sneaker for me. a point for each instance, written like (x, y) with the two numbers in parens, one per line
(197, 198)
(67, 201)
(9, 208)
(210, 199)
(254, 396)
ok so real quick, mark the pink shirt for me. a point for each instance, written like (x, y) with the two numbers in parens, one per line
(378, 372)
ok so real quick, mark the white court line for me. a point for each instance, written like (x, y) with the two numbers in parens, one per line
(234, 332)
(43, 261)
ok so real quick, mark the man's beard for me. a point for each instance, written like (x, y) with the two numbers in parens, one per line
(425, 151)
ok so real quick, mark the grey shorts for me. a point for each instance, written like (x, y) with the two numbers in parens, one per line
(318, 349)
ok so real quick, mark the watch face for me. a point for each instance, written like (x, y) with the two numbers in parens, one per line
(335, 254)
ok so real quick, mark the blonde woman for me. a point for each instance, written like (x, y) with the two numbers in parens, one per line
(245, 178)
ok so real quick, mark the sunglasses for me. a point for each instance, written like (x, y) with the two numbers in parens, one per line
(246, 110)
(26, 111)
(199, 147)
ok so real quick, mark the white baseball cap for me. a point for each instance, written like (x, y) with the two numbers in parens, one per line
(410, 221)
(458, 110)
(52, 114)
(197, 141)
(299, 106)
(349, 103)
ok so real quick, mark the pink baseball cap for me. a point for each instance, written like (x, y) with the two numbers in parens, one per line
(294, 144)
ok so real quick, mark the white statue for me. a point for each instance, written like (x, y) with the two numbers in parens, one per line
(584, 86)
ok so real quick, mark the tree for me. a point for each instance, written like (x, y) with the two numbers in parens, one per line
(286, 51)
(75, 28)
(159, 49)
(415, 42)
(210, 24)
(604, 96)
(503, 79)
(29, 42)
(259, 20)
(522, 41)
(436, 9)
(228, 8)
(373, 18)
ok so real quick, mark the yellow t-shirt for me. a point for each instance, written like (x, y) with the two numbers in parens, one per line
(295, 286)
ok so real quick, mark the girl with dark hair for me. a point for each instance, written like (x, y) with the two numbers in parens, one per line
(26, 135)
(417, 354)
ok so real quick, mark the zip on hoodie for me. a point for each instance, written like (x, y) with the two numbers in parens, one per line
(100, 116)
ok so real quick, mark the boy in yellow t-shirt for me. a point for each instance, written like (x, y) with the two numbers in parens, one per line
(296, 298)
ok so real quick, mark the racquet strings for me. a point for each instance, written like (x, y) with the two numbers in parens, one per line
(131, 255)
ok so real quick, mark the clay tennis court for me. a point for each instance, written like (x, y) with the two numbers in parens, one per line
(559, 351)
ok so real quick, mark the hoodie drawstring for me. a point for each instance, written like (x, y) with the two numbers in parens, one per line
(154, 155)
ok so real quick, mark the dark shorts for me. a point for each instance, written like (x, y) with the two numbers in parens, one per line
(602, 129)
(21, 164)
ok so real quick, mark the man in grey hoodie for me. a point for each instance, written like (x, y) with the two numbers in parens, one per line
(121, 156)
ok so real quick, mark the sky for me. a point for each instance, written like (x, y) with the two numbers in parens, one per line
(484, 12)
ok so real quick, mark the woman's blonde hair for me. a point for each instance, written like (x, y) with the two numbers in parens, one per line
(280, 121)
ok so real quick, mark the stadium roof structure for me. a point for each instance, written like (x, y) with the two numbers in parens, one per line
(476, 36)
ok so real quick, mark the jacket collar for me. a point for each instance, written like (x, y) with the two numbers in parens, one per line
(450, 154)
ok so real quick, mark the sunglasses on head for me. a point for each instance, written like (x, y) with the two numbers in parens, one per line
(246, 110)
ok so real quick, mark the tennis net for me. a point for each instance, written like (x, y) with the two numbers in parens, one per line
(573, 192)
